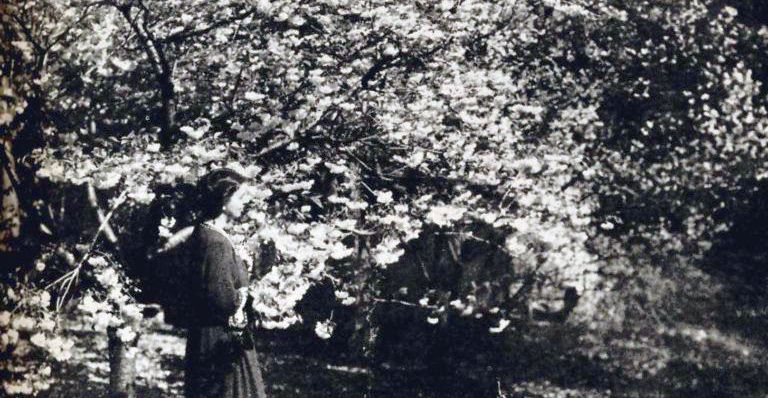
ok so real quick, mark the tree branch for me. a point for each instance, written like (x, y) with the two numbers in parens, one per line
(186, 34)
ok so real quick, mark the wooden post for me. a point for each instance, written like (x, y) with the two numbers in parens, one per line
(122, 365)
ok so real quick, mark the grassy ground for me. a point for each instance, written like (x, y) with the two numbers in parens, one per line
(713, 347)
(697, 362)
(159, 370)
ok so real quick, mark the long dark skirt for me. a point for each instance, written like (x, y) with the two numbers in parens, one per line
(219, 365)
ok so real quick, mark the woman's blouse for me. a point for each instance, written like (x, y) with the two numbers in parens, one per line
(216, 278)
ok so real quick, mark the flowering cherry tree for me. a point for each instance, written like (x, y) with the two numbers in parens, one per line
(573, 130)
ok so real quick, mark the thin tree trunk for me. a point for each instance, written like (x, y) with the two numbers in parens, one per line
(168, 112)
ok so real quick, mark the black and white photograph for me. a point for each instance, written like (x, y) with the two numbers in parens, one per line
(384, 198)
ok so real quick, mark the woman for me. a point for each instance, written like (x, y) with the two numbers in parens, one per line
(219, 361)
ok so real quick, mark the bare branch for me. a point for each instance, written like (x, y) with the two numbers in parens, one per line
(68, 279)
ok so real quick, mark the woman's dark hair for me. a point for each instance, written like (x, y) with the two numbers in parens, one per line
(214, 190)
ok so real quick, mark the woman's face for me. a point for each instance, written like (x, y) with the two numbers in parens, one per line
(236, 203)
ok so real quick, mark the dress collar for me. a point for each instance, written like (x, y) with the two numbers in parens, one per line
(218, 229)
(235, 248)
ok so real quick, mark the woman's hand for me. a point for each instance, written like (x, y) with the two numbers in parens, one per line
(239, 320)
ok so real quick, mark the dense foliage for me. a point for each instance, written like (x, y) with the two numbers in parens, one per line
(539, 145)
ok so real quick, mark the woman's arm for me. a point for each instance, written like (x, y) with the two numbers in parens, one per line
(220, 296)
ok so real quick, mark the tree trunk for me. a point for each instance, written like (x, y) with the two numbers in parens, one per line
(366, 328)
(10, 216)
(168, 111)
(122, 366)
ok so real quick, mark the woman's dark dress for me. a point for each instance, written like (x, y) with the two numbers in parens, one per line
(217, 365)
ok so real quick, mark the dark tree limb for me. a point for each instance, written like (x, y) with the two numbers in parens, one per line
(179, 37)
(160, 65)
